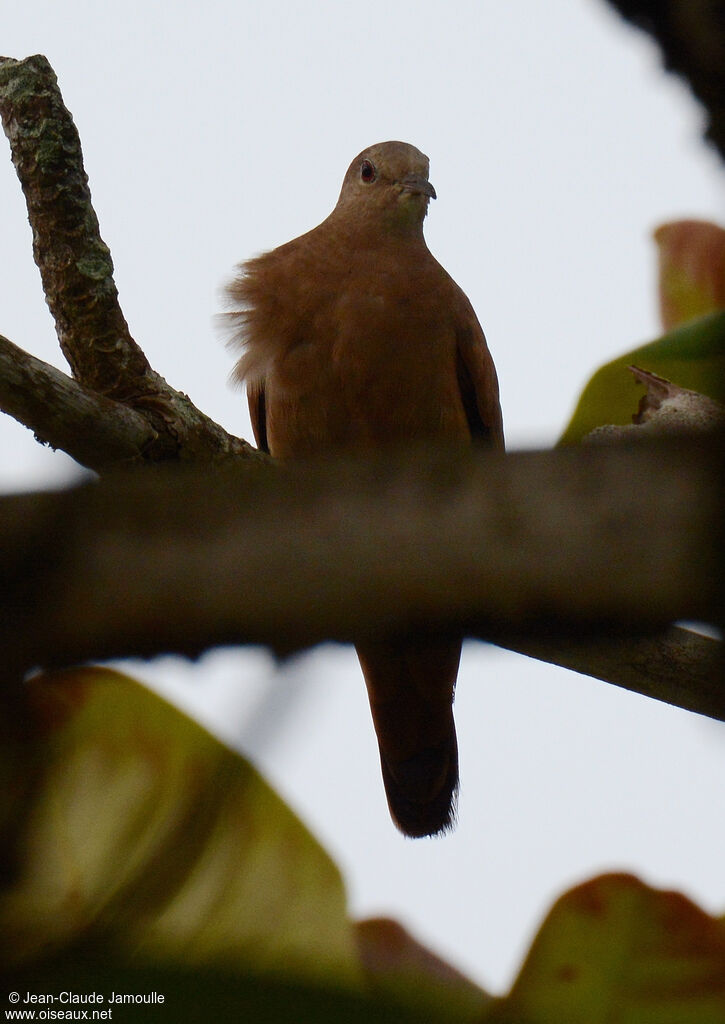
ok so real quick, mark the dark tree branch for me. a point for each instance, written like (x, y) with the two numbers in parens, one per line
(77, 274)
(540, 545)
(678, 667)
(691, 34)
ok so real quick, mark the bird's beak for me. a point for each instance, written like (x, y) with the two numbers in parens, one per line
(418, 185)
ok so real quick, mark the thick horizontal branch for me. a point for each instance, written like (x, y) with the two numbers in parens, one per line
(536, 545)
(96, 431)
(77, 273)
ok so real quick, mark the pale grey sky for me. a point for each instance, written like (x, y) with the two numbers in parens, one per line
(557, 144)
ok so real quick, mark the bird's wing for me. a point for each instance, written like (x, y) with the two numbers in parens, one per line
(478, 384)
(258, 414)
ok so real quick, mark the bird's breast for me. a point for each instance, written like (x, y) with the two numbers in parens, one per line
(375, 366)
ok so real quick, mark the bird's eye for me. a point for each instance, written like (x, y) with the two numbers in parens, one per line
(367, 172)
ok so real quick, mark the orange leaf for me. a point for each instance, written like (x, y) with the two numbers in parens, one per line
(399, 966)
(691, 270)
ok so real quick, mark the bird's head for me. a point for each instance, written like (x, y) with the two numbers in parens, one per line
(387, 183)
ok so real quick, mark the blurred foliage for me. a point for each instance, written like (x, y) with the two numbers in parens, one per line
(692, 352)
(150, 859)
(692, 356)
(691, 270)
(145, 834)
(614, 949)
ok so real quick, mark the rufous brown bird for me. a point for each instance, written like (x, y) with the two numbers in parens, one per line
(355, 338)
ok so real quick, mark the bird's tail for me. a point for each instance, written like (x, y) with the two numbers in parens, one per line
(410, 686)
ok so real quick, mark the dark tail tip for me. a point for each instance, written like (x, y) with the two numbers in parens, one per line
(422, 791)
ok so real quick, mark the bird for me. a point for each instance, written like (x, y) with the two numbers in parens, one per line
(354, 339)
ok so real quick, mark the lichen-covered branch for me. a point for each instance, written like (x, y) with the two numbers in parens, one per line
(77, 273)
(96, 431)
(546, 546)
(74, 262)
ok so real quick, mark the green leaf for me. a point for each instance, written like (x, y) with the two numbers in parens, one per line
(692, 356)
(146, 837)
(614, 949)
(208, 996)
(150, 859)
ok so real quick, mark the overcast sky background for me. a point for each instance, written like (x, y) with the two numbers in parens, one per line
(211, 132)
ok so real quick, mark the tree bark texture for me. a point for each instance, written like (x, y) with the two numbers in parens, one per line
(589, 545)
